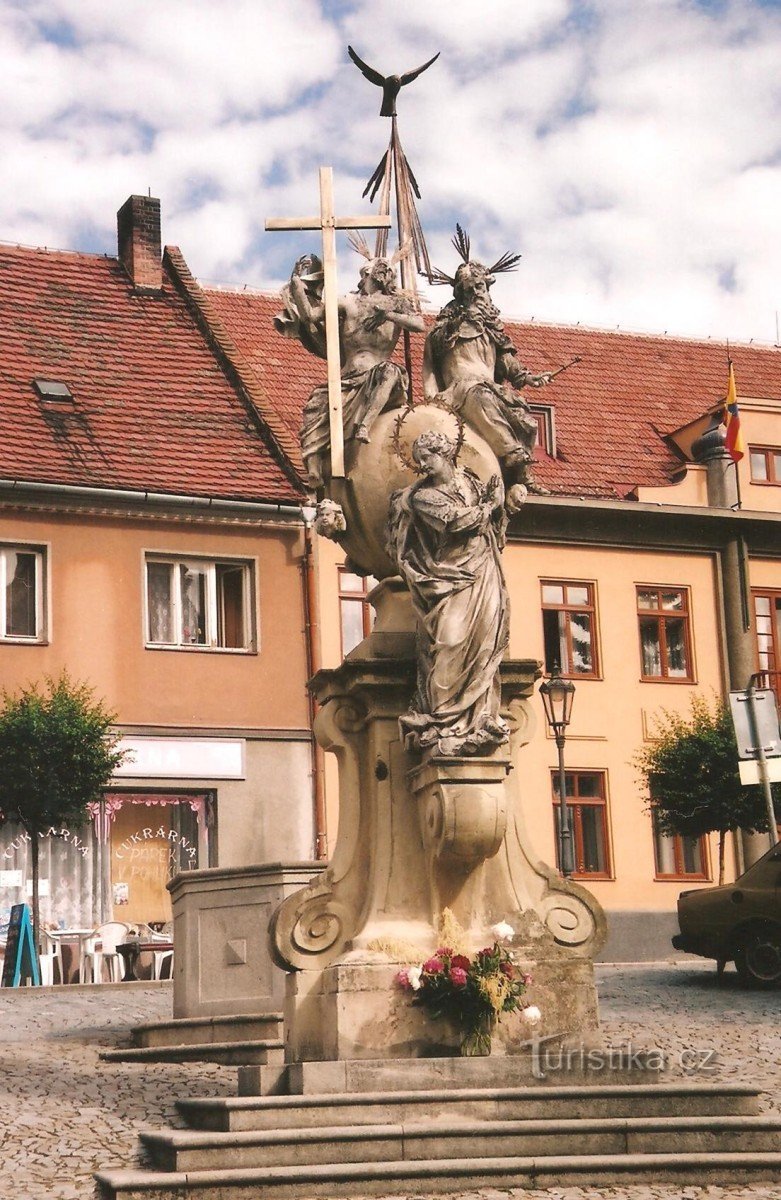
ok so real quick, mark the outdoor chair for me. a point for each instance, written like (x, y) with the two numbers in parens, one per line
(159, 957)
(101, 946)
(50, 952)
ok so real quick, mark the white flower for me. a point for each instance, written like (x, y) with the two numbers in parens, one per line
(502, 932)
(532, 1014)
(413, 975)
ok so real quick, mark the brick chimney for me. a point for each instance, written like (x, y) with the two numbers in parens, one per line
(138, 240)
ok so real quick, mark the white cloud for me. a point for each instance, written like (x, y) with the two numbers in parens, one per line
(631, 151)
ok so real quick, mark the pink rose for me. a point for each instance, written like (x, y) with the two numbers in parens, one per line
(434, 966)
(457, 976)
(526, 980)
(402, 979)
(445, 952)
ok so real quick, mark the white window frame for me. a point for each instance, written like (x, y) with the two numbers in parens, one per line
(40, 611)
(210, 563)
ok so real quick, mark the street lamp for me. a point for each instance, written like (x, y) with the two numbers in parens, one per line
(557, 696)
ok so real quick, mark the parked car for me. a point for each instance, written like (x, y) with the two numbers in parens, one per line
(740, 922)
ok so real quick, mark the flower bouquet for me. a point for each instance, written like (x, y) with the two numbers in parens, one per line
(474, 991)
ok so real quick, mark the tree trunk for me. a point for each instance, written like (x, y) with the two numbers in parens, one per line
(722, 841)
(34, 852)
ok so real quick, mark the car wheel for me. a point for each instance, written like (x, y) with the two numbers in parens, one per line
(758, 960)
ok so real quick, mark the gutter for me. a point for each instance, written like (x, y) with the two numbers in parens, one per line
(291, 512)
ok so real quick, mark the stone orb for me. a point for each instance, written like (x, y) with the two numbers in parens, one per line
(375, 471)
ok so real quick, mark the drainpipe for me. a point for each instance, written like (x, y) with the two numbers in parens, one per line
(722, 485)
(312, 640)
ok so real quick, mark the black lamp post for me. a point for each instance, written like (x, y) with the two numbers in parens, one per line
(557, 696)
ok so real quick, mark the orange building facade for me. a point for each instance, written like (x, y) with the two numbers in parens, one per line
(164, 543)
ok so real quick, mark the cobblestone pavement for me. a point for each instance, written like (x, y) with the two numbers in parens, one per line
(64, 1114)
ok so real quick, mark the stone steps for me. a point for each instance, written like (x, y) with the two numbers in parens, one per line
(448, 1139)
(439, 1175)
(234, 1113)
(230, 1053)
(186, 1151)
(184, 1031)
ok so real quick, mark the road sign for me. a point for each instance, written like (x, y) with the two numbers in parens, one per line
(766, 719)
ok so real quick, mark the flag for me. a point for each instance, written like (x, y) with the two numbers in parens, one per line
(733, 440)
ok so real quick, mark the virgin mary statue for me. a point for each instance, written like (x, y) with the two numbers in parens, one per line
(445, 533)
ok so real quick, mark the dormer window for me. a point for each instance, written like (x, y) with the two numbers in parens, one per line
(546, 427)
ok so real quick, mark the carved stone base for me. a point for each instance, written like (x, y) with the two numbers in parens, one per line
(355, 1010)
(416, 837)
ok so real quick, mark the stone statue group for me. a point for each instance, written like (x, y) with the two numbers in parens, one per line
(444, 533)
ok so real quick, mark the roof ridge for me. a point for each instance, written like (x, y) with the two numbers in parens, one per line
(240, 373)
(26, 247)
(249, 290)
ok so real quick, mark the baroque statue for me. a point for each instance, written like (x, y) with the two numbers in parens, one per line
(370, 322)
(445, 534)
(468, 360)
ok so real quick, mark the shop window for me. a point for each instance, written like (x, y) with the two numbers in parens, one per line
(21, 594)
(587, 803)
(665, 639)
(679, 857)
(765, 464)
(114, 868)
(199, 603)
(355, 612)
(569, 628)
(767, 631)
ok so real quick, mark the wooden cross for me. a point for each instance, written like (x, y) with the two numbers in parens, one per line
(328, 223)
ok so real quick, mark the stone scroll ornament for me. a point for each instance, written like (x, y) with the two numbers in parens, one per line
(445, 535)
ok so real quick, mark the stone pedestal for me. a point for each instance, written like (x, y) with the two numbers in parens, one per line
(416, 837)
(222, 964)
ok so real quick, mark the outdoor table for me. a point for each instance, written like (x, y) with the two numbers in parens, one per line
(69, 939)
(131, 952)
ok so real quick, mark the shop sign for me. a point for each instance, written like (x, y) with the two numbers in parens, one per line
(182, 758)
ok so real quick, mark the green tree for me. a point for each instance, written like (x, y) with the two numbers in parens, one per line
(691, 773)
(57, 753)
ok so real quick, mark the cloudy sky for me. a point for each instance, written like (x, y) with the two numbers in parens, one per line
(630, 149)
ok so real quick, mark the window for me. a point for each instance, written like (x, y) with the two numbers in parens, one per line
(569, 627)
(679, 857)
(586, 799)
(546, 427)
(665, 643)
(767, 629)
(765, 464)
(21, 594)
(356, 614)
(197, 602)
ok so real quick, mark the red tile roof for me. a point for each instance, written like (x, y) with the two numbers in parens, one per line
(612, 410)
(154, 410)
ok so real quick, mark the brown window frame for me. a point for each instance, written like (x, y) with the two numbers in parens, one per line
(662, 617)
(771, 667)
(680, 875)
(568, 609)
(544, 415)
(576, 803)
(355, 596)
(769, 453)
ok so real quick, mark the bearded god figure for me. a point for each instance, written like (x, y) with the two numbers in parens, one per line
(445, 535)
(468, 360)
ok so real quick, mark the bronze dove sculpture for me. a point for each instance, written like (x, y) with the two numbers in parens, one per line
(391, 84)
